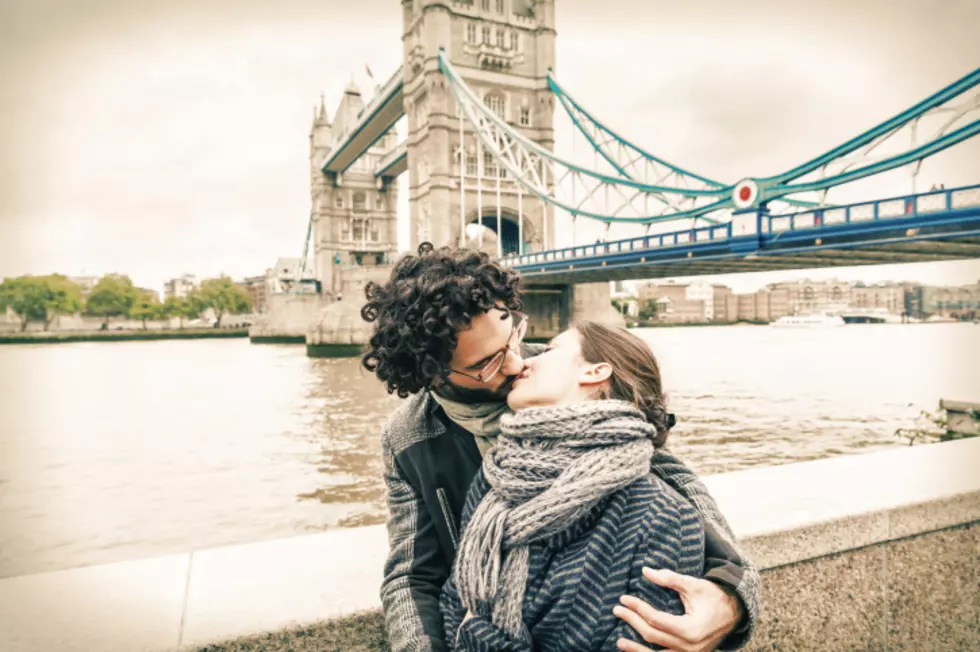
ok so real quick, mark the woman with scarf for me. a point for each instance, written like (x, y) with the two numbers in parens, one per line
(565, 514)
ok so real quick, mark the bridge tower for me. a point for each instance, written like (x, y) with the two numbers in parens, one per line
(503, 49)
(354, 215)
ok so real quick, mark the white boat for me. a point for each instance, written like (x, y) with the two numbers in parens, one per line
(808, 321)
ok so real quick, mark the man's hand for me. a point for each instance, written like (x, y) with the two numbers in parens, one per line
(710, 613)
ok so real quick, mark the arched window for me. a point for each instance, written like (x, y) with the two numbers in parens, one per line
(495, 102)
(808, 293)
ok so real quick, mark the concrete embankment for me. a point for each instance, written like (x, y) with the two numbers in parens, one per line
(874, 551)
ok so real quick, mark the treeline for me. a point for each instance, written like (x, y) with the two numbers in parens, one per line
(43, 298)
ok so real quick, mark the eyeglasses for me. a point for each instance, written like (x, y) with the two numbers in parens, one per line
(493, 365)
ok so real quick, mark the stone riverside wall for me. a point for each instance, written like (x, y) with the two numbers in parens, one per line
(871, 552)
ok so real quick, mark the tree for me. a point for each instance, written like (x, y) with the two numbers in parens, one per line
(146, 306)
(112, 296)
(40, 298)
(649, 311)
(222, 296)
(179, 307)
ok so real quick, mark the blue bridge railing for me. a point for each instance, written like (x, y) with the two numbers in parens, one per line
(927, 208)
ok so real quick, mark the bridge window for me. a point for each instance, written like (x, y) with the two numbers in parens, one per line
(375, 234)
(486, 35)
(358, 230)
(485, 5)
(499, 6)
(471, 33)
(515, 41)
(471, 165)
(359, 201)
(525, 116)
(495, 102)
(501, 38)
(379, 203)
(490, 168)
(338, 201)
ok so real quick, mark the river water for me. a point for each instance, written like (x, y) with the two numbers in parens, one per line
(114, 451)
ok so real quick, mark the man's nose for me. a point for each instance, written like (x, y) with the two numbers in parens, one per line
(513, 363)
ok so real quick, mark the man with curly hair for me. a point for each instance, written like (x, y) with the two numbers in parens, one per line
(449, 334)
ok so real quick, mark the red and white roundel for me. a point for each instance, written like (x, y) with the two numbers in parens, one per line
(745, 193)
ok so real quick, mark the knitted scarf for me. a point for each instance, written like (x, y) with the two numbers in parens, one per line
(478, 410)
(550, 467)
(475, 411)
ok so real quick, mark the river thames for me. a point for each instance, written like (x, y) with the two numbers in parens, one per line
(116, 451)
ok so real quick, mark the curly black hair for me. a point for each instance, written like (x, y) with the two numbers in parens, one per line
(423, 306)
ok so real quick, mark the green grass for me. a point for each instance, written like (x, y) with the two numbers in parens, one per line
(363, 632)
(122, 336)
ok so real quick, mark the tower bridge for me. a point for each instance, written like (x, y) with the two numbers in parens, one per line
(478, 94)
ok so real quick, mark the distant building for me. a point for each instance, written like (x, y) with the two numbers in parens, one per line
(179, 287)
(255, 288)
(889, 297)
(288, 276)
(766, 305)
(808, 297)
(961, 302)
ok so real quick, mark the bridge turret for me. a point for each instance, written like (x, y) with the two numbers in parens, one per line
(503, 50)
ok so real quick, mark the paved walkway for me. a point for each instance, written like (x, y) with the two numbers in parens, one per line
(782, 514)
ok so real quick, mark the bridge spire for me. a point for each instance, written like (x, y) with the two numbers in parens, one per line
(322, 117)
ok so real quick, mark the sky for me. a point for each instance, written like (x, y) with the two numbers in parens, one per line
(163, 138)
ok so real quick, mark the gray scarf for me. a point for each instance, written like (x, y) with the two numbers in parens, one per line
(550, 467)
(478, 411)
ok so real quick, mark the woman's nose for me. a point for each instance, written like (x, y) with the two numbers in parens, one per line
(513, 363)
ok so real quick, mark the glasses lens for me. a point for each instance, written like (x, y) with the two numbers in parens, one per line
(521, 329)
(492, 367)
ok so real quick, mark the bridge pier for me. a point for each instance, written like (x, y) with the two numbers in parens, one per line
(552, 309)
(287, 318)
(338, 330)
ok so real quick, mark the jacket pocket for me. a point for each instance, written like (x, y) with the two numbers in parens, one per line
(447, 515)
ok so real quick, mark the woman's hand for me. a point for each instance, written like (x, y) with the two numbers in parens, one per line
(710, 614)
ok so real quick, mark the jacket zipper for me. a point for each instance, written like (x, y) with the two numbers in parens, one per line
(447, 515)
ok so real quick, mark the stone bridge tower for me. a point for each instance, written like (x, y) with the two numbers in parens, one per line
(355, 220)
(503, 49)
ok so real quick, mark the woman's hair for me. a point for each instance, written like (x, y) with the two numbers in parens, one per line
(635, 373)
(423, 306)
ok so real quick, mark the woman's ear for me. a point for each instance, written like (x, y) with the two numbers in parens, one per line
(596, 374)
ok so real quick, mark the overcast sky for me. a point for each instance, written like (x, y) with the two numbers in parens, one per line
(162, 138)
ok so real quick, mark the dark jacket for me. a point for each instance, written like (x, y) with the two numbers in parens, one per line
(575, 577)
(429, 465)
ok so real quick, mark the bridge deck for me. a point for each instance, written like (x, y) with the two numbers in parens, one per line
(380, 115)
(934, 226)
